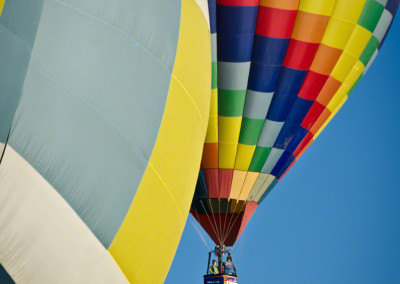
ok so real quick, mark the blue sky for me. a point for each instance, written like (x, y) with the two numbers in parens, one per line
(335, 217)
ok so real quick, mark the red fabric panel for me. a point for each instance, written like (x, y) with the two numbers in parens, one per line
(204, 222)
(300, 54)
(225, 226)
(224, 182)
(248, 212)
(302, 144)
(312, 115)
(238, 2)
(276, 23)
(312, 85)
(211, 176)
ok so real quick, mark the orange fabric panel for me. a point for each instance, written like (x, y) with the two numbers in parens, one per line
(325, 59)
(210, 156)
(320, 121)
(328, 91)
(309, 27)
(280, 4)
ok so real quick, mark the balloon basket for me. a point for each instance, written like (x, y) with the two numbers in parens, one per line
(220, 279)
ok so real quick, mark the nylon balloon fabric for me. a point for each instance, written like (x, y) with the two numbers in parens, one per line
(102, 105)
(284, 69)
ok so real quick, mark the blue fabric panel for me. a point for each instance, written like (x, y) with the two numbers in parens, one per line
(269, 50)
(236, 19)
(392, 6)
(235, 32)
(283, 163)
(280, 107)
(297, 138)
(286, 135)
(263, 77)
(290, 81)
(267, 191)
(234, 47)
(212, 10)
(299, 110)
(201, 187)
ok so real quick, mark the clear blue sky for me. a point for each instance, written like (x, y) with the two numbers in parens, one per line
(335, 217)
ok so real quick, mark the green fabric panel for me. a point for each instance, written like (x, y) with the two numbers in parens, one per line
(369, 50)
(231, 102)
(259, 158)
(355, 85)
(214, 78)
(371, 14)
(250, 131)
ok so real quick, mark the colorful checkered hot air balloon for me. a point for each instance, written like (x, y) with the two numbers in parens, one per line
(285, 67)
(103, 106)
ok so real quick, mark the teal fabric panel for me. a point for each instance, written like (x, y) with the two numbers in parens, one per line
(93, 101)
(16, 38)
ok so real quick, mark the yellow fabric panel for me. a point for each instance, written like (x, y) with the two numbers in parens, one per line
(214, 103)
(349, 10)
(161, 204)
(343, 66)
(1, 5)
(229, 129)
(358, 41)
(244, 156)
(337, 33)
(354, 74)
(341, 103)
(212, 130)
(226, 155)
(337, 98)
(317, 6)
(237, 183)
(251, 178)
(249, 182)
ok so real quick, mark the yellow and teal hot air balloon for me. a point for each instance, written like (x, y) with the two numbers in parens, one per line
(285, 67)
(103, 113)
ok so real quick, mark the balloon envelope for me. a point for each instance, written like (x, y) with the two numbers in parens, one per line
(281, 71)
(102, 105)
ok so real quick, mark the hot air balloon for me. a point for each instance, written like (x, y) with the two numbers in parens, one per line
(281, 71)
(103, 106)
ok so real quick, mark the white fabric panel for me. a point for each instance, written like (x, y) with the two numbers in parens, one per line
(42, 239)
(257, 186)
(203, 4)
(383, 2)
(383, 25)
(214, 47)
(257, 104)
(272, 159)
(1, 149)
(233, 75)
(268, 181)
(269, 133)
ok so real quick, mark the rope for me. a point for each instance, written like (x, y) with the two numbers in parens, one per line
(201, 201)
(215, 222)
(233, 224)
(198, 232)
